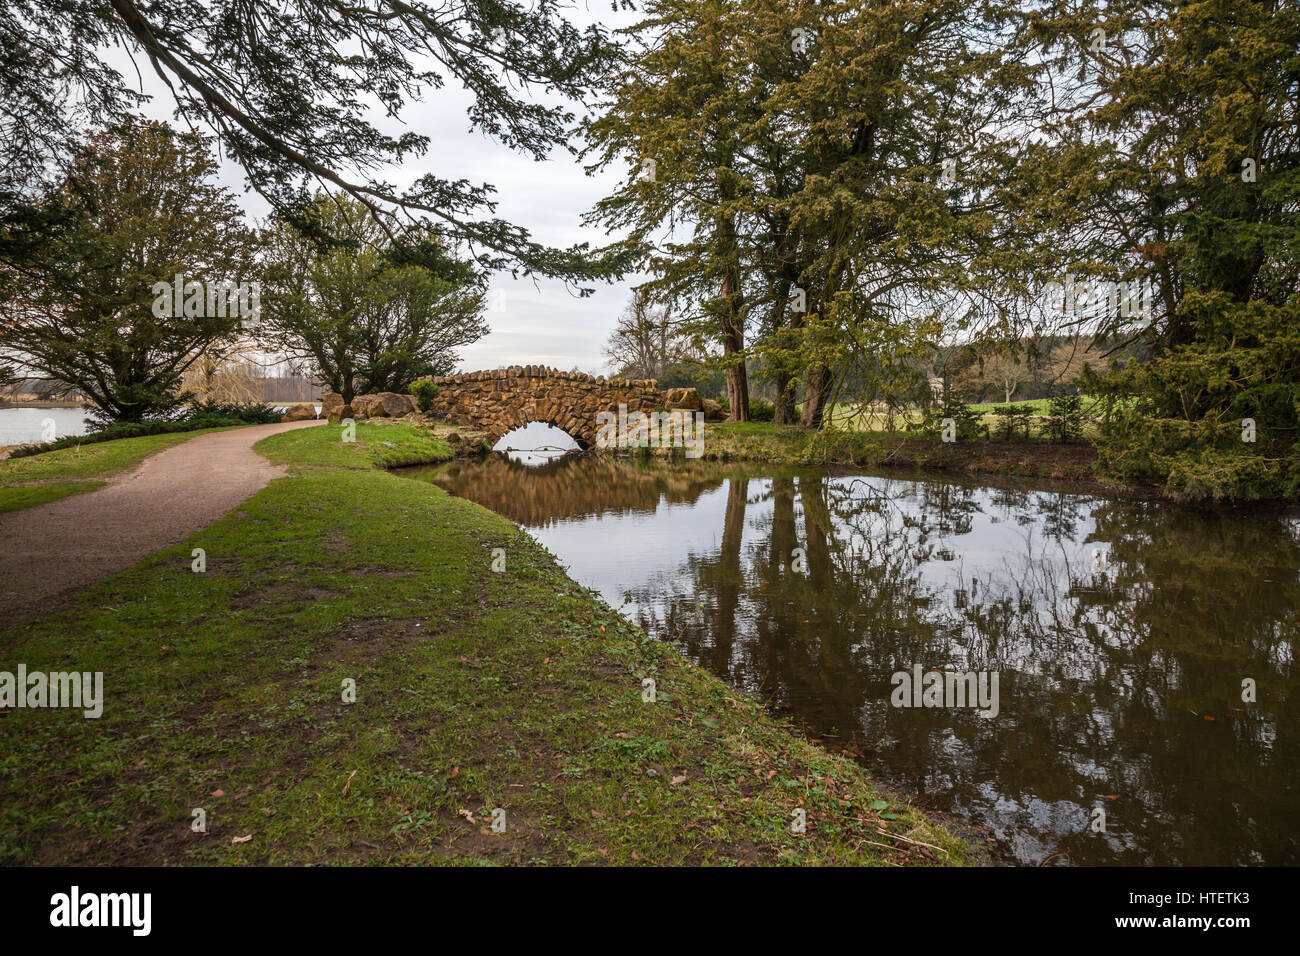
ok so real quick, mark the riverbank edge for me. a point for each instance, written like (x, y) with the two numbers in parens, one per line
(476, 690)
(1065, 467)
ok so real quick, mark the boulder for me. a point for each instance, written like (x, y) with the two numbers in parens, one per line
(341, 412)
(383, 405)
(687, 398)
(299, 413)
(713, 411)
(330, 404)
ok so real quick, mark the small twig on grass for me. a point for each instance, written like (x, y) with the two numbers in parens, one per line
(897, 836)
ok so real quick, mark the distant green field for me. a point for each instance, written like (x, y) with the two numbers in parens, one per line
(1039, 405)
(857, 418)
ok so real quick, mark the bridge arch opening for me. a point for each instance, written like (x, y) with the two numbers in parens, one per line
(536, 443)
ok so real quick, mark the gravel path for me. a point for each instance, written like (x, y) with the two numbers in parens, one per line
(53, 550)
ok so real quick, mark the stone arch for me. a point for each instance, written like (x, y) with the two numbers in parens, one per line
(501, 400)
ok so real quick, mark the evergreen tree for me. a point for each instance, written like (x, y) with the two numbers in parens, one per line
(137, 208)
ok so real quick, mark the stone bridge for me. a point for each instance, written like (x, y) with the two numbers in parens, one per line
(504, 399)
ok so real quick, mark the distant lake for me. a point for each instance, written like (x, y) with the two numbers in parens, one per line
(21, 425)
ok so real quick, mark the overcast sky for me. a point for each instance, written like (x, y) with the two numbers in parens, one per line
(539, 321)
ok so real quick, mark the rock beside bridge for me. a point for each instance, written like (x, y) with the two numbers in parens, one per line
(379, 405)
(684, 398)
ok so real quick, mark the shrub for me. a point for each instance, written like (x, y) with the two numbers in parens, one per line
(1013, 418)
(425, 392)
(761, 410)
(1065, 418)
(1192, 460)
(254, 413)
(969, 424)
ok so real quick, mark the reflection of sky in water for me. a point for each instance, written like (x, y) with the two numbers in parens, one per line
(996, 553)
(660, 539)
(535, 435)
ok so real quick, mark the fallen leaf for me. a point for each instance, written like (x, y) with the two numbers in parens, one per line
(680, 778)
(218, 793)
(467, 815)
(242, 839)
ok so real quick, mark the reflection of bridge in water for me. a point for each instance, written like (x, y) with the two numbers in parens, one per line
(570, 487)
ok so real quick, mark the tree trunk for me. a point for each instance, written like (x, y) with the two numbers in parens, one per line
(733, 344)
(732, 330)
(816, 396)
(737, 380)
(784, 411)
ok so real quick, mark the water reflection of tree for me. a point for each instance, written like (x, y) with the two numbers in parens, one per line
(1107, 672)
(1097, 669)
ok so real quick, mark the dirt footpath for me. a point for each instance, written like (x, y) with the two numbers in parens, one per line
(53, 550)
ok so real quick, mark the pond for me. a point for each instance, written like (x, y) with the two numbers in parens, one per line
(1121, 633)
(21, 425)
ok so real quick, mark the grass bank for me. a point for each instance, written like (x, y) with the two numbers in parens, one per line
(25, 482)
(474, 690)
(791, 444)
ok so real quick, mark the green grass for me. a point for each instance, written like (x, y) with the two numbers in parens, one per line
(378, 444)
(25, 482)
(475, 690)
(793, 445)
(1041, 406)
(855, 418)
(28, 496)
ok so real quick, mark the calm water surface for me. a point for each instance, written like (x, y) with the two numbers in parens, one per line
(1121, 630)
